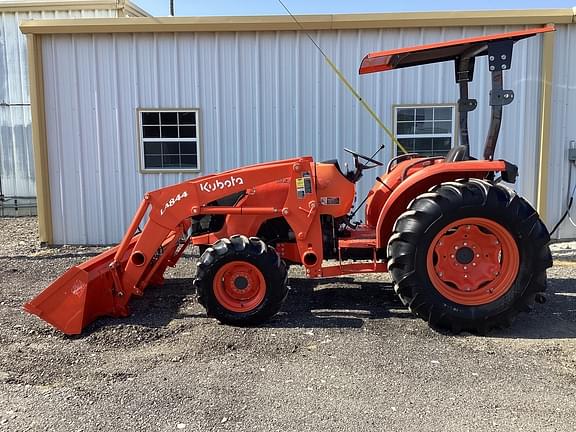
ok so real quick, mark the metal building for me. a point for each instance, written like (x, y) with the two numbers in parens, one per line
(124, 106)
(17, 176)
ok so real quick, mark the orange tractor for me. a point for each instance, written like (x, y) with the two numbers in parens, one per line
(464, 251)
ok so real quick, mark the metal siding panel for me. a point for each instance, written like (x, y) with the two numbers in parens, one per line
(16, 164)
(262, 96)
(226, 78)
(245, 62)
(562, 130)
(117, 126)
(16, 158)
(71, 166)
(206, 65)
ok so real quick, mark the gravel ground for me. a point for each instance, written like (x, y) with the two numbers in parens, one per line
(343, 355)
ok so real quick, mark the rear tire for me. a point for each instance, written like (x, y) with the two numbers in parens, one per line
(241, 281)
(469, 255)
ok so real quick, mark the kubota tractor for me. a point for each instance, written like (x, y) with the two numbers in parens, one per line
(464, 251)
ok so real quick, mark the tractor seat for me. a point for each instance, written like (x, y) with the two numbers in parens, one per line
(456, 154)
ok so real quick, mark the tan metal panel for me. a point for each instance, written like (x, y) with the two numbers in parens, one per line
(309, 22)
(125, 7)
(547, 68)
(39, 139)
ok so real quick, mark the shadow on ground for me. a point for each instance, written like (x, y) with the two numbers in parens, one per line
(327, 303)
(346, 303)
(337, 303)
(555, 319)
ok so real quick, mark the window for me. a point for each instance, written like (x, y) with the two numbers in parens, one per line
(428, 130)
(169, 140)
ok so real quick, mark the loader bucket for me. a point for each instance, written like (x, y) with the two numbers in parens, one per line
(82, 294)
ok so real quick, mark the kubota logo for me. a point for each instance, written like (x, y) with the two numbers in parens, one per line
(221, 184)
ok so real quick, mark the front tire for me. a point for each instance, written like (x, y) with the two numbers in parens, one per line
(241, 281)
(469, 255)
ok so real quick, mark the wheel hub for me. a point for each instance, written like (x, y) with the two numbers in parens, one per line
(239, 286)
(473, 261)
(241, 282)
(464, 255)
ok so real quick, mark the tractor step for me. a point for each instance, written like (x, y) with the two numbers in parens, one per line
(363, 237)
(357, 243)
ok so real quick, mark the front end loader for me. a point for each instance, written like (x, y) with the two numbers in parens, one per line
(465, 252)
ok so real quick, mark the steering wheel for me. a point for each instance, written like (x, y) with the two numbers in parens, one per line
(364, 157)
(356, 175)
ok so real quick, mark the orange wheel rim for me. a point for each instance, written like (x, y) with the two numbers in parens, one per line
(473, 261)
(239, 286)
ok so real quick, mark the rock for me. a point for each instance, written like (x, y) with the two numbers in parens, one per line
(181, 425)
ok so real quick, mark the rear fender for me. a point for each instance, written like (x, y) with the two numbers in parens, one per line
(422, 180)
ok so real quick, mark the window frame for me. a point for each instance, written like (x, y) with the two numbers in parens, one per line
(454, 134)
(140, 145)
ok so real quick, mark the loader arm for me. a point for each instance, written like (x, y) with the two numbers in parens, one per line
(104, 284)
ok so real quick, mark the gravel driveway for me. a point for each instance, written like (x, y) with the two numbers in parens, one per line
(343, 355)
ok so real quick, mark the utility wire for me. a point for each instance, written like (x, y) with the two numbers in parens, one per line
(566, 213)
(342, 78)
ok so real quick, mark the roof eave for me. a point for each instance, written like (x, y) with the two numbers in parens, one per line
(309, 22)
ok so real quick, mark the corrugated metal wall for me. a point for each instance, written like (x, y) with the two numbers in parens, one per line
(262, 96)
(16, 159)
(563, 130)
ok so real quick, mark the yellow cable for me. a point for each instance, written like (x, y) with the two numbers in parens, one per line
(364, 103)
(346, 83)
